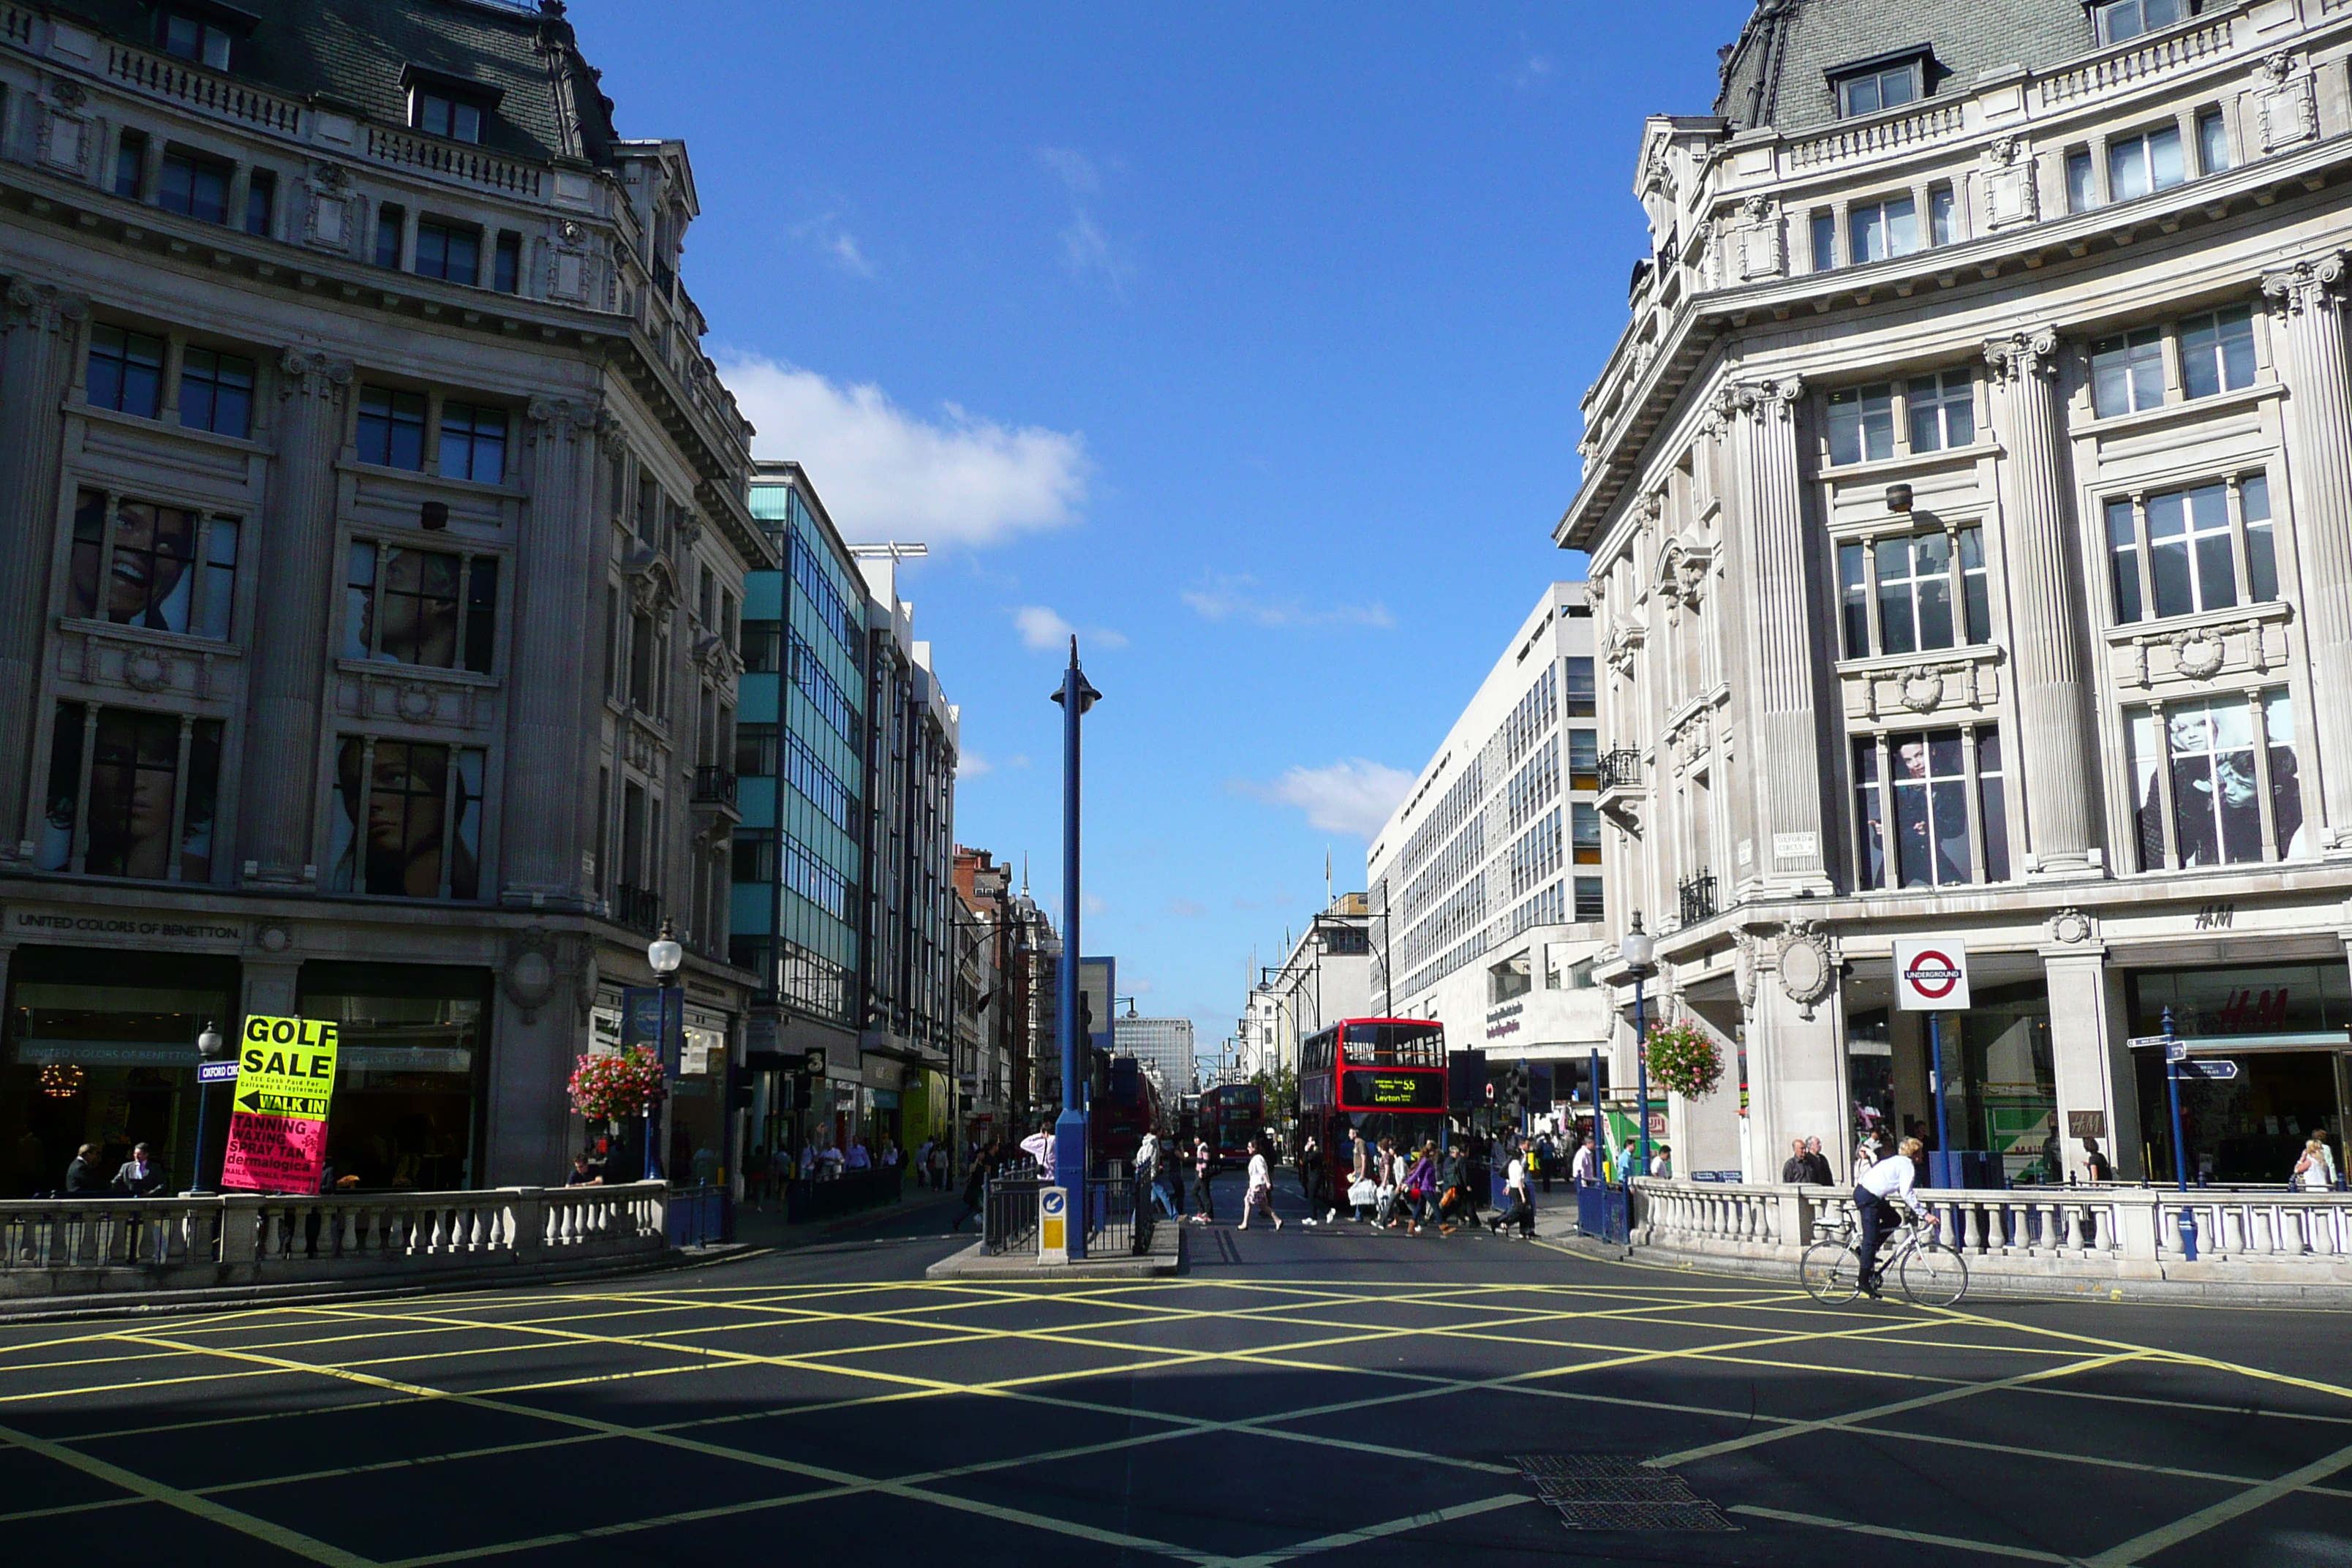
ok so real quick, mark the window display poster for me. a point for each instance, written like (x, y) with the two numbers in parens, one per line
(278, 1124)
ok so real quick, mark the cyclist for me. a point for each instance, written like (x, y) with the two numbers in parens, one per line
(1891, 1179)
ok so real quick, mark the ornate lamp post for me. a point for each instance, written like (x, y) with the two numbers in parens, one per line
(209, 1046)
(664, 954)
(1640, 952)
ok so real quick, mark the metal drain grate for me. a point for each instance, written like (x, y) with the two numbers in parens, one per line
(1617, 1491)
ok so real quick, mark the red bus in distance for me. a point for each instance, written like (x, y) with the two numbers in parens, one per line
(1384, 1077)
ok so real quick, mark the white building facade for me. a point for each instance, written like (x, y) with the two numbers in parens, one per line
(1488, 896)
(1165, 1047)
(1971, 539)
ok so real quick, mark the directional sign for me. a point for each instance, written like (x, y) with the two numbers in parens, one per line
(2149, 1042)
(278, 1127)
(1052, 1225)
(2203, 1068)
(1931, 975)
(216, 1072)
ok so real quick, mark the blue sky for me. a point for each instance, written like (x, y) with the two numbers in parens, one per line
(1245, 340)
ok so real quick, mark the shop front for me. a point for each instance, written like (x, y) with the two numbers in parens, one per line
(413, 1066)
(2285, 1028)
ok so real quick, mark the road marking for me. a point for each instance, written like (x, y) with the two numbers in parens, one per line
(1376, 1531)
(1918, 1538)
(2141, 1547)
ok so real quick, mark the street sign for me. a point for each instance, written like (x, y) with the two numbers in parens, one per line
(2147, 1042)
(278, 1124)
(2176, 1050)
(812, 1061)
(2205, 1068)
(1052, 1225)
(216, 1072)
(1931, 975)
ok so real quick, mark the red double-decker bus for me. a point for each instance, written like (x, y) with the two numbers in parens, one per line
(1230, 1115)
(1384, 1077)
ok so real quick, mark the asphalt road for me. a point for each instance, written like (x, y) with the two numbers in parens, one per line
(1316, 1393)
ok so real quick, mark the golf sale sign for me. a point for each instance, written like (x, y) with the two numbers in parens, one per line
(1931, 975)
(277, 1129)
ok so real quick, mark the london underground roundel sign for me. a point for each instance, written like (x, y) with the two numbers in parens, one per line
(1931, 975)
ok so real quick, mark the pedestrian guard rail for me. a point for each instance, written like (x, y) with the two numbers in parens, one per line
(82, 1246)
(1119, 1215)
(2260, 1235)
(1602, 1211)
(696, 1216)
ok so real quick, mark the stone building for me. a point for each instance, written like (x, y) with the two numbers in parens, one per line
(377, 530)
(1971, 543)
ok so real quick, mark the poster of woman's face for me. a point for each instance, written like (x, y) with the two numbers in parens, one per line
(391, 830)
(150, 579)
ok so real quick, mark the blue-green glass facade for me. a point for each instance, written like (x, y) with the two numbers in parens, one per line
(800, 744)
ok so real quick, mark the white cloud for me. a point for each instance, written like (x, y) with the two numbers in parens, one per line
(971, 764)
(837, 243)
(1221, 598)
(1352, 797)
(846, 255)
(1073, 168)
(1533, 72)
(886, 473)
(1088, 252)
(1041, 628)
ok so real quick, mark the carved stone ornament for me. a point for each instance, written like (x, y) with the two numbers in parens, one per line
(66, 94)
(1771, 398)
(1745, 970)
(310, 373)
(2306, 284)
(1625, 639)
(2199, 654)
(2005, 175)
(274, 937)
(2286, 105)
(2034, 351)
(414, 704)
(332, 178)
(1807, 967)
(2070, 926)
(42, 308)
(570, 231)
(529, 977)
(146, 670)
(1692, 740)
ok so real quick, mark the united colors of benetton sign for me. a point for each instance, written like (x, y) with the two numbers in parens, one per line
(1931, 975)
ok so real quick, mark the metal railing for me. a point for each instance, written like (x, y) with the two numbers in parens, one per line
(713, 785)
(1697, 897)
(1621, 770)
(639, 908)
(1118, 1216)
(696, 1216)
(1600, 1211)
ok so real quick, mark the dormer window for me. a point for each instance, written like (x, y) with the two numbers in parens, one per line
(2123, 19)
(1882, 81)
(202, 31)
(438, 114)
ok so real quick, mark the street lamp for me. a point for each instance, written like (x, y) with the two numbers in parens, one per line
(664, 955)
(209, 1046)
(1640, 952)
(1075, 696)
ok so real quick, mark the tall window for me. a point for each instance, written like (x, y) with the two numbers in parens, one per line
(2217, 351)
(1584, 759)
(763, 647)
(1862, 424)
(439, 113)
(506, 273)
(757, 751)
(1584, 833)
(1582, 702)
(392, 427)
(389, 219)
(1591, 903)
(2121, 19)
(2212, 143)
(1943, 215)
(260, 201)
(197, 187)
(2215, 781)
(1824, 232)
(1866, 92)
(408, 819)
(136, 563)
(126, 371)
(2127, 371)
(2148, 162)
(1937, 793)
(2082, 195)
(473, 442)
(1876, 230)
(146, 807)
(131, 165)
(1915, 580)
(2176, 553)
(216, 393)
(448, 251)
(1942, 410)
(429, 608)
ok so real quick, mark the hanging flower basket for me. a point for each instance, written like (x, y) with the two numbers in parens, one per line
(613, 1087)
(1685, 1059)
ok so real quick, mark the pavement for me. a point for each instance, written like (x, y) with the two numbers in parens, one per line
(1312, 1394)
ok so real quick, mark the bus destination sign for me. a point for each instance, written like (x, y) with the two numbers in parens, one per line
(1393, 1091)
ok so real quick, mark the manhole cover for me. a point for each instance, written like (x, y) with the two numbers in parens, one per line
(1617, 1491)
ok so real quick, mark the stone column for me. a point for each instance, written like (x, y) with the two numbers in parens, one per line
(1782, 626)
(2087, 1047)
(43, 330)
(1796, 1059)
(556, 603)
(2046, 638)
(287, 662)
(2307, 312)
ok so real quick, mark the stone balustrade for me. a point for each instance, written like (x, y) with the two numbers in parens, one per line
(54, 1246)
(2069, 1238)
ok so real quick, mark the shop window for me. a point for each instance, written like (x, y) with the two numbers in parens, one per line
(435, 608)
(412, 1058)
(408, 820)
(216, 393)
(1937, 794)
(130, 793)
(126, 371)
(392, 428)
(136, 563)
(2178, 553)
(2215, 781)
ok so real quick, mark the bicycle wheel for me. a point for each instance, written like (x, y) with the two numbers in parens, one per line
(1935, 1275)
(1832, 1272)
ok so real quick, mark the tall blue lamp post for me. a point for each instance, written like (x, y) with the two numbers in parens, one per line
(1070, 1131)
(1640, 952)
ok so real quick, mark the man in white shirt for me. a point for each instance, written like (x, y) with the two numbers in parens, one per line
(1893, 1180)
(1588, 1164)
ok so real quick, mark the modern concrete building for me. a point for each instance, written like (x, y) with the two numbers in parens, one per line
(1972, 546)
(1165, 1046)
(378, 532)
(1486, 891)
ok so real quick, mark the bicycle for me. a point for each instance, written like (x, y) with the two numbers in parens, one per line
(1930, 1270)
